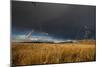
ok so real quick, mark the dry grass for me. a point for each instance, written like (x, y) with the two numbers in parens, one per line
(46, 53)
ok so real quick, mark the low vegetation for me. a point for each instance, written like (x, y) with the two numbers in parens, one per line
(49, 53)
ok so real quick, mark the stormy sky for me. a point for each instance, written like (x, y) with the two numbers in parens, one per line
(58, 20)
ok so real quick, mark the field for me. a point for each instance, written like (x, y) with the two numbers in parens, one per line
(50, 53)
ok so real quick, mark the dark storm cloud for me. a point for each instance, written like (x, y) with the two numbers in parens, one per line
(56, 19)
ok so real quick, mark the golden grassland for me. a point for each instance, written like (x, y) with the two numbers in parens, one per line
(50, 53)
